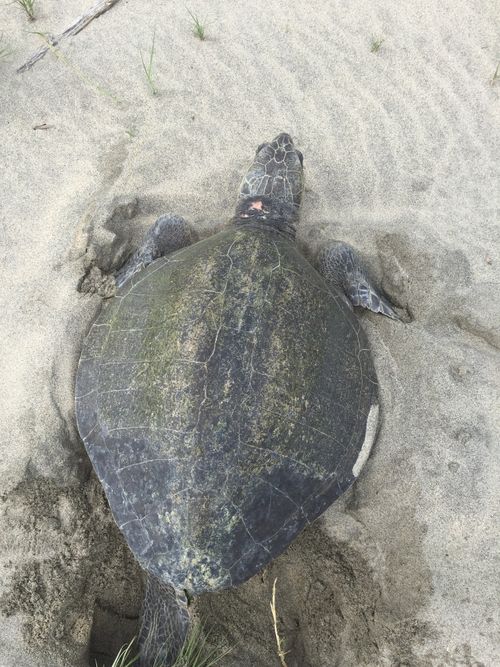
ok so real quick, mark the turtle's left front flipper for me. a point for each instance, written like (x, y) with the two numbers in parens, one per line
(340, 265)
(170, 232)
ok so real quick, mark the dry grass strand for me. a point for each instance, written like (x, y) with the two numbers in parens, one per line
(279, 641)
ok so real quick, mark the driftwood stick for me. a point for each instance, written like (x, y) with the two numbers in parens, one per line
(80, 23)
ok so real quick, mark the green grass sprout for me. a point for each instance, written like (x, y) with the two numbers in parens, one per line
(496, 75)
(195, 652)
(5, 51)
(198, 26)
(123, 658)
(28, 7)
(148, 67)
(376, 44)
(132, 132)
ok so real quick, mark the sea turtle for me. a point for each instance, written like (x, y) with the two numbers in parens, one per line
(226, 395)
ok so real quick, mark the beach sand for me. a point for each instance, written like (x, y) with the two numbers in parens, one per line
(401, 149)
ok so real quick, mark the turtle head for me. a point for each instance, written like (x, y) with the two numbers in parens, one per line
(272, 188)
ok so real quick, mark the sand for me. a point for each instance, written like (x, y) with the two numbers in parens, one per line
(401, 153)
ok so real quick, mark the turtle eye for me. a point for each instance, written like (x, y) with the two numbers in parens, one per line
(301, 158)
(260, 147)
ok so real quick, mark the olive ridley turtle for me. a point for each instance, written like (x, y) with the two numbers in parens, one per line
(226, 395)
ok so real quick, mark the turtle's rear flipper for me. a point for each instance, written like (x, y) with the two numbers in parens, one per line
(164, 626)
(340, 265)
(170, 232)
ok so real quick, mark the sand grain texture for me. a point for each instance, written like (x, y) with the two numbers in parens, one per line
(401, 150)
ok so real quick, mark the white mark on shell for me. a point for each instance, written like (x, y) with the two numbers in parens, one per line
(370, 433)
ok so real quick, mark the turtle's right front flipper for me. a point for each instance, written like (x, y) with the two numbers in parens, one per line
(164, 626)
(340, 265)
(169, 233)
